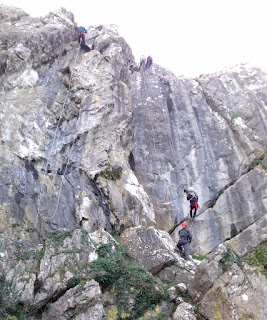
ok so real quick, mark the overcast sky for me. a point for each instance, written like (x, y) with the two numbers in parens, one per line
(188, 37)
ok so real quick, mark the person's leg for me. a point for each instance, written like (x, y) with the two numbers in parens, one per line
(191, 212)
(179, 246)
(186, 250)
(195, 211)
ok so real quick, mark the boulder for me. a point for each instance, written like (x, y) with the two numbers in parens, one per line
(184, 311)
(237, 293)
(150, 248)
(208, 271)
(79, 303)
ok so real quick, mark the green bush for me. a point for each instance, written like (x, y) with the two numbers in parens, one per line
(112, 173)
(117, 239)
(199, 257)
(10, 306)
(229, 258)
(135, 288)
(258, 258)
(57, 238)
(73, 282)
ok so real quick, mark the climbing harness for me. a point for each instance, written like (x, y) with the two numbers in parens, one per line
(50, 153)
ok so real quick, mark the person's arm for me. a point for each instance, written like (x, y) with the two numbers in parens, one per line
(189, 235)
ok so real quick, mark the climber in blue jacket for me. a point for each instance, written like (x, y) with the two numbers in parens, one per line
(185, 238)
(81, 36)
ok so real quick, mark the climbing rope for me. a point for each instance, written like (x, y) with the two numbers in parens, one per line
(65, 170)
(52, 149)
(150, 119)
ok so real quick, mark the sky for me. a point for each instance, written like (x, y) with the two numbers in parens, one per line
(188, 37)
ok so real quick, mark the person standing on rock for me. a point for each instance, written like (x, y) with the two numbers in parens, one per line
(142, 62)
(185, 238)
(193, 198)
(149, 62)
(81, 36)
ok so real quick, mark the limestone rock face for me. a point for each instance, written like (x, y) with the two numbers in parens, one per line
(66, 129)
(208, 133)
(240, 208)
(92, 147)
(184, 312)
(81, 302)
(234, 295)
(235, 292)
(228, 289)
(154, 250)
(207, 273)
(150, 248)
(49, 275)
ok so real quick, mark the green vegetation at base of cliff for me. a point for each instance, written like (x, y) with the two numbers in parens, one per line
(10, 307)
(258, 258)
(57, 238)
(135, 289)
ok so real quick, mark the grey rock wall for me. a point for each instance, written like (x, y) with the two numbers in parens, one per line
(207, 133)
(233, 291)
(87, 145)
(66, 129)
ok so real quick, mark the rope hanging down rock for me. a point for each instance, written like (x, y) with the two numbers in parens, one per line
(171, 145)
(50, 153)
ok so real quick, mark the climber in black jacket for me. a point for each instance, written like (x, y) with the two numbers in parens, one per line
(149, 62)
(185, 238)
(193, 198)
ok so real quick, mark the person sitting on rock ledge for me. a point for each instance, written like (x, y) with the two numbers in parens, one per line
(193, 198)
(81, 36)
(185, 238)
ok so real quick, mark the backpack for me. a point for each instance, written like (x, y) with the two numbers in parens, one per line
(82, 29)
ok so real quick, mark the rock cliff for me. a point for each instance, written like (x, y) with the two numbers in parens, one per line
(93, 148)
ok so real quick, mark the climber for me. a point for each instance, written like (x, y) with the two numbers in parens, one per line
(149, 62)
(142, 62)
(185, 239)
(193, 198)
(81, 36)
